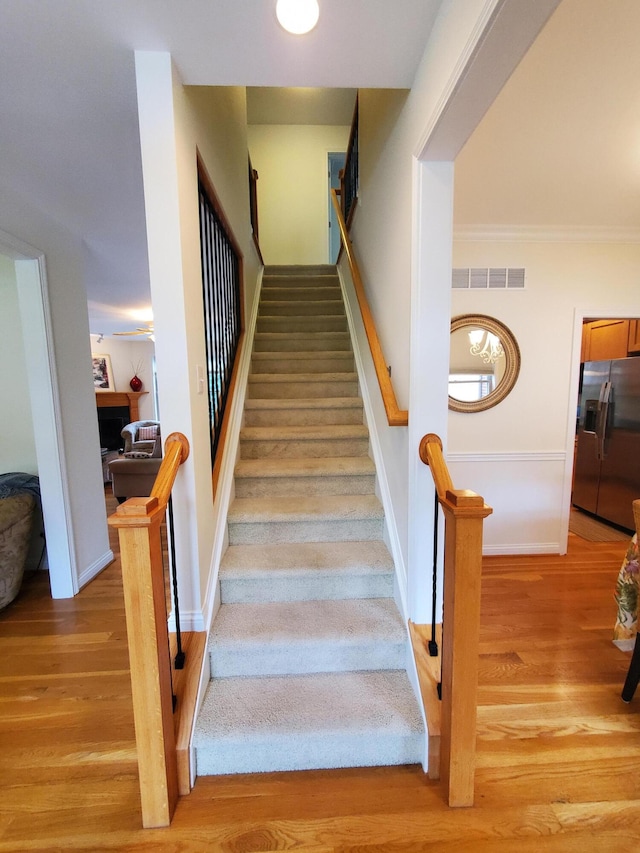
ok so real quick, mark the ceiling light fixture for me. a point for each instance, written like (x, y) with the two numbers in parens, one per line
(298, 16)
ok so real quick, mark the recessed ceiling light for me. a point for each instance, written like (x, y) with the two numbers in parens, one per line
(298, 16)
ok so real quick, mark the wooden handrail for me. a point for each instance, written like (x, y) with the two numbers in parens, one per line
(138, 523)
(636, 516)
(464, 513)
(395, 415)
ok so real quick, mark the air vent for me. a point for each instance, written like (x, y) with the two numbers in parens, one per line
(481, 278)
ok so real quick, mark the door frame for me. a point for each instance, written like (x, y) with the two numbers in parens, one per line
(33, 298)
(333, 238)
(580, 314)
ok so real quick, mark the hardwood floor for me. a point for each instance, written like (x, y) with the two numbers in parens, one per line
(558, 750)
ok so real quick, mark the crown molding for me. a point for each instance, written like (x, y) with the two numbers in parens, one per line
(544, 234)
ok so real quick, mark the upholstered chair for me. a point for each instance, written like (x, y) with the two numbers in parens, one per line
(134, 441)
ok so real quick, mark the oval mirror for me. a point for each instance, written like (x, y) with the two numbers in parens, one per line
(484, 362)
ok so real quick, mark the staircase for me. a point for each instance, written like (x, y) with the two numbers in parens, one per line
(308, 649)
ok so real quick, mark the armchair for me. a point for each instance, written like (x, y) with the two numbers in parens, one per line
(134, 442)
(134, 473)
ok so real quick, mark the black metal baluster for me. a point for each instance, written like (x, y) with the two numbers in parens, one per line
(433, 643)
(221, 299)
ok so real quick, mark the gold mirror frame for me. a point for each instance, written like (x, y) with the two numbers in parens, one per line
(512, 362)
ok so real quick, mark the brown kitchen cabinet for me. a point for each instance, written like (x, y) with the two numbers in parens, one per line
(604, 339)
(634, 337)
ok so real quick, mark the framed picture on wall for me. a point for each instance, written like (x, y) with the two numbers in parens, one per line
(102, 372)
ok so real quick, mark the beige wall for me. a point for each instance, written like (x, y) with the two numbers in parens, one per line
(17, 445)
(293, 194)
(518, 454)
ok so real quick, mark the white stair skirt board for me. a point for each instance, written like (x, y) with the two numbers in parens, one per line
(307, 651)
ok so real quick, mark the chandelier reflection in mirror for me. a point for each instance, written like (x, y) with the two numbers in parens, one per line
(486, 345)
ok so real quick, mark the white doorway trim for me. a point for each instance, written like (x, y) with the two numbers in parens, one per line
(45, 406)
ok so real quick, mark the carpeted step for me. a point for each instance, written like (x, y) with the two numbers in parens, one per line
(303, 274)
(355, 719)
(296, 341)
(293, 292)
(304, 412)
(346, 475)
(291, 385)
(302, 362)
(301, 637)
(347, 518)
(292, 442)
(306, 571)
(298, 308)
(315, 323)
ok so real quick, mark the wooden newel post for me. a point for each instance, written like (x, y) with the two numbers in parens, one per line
(464, 512)
(138, 522)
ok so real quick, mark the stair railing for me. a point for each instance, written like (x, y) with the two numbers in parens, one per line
(138, 522)
(350, 174)
(464, 513)
(395, 415)
(223, 305)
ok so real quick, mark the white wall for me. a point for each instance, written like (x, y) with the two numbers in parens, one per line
(293, 189)
(126, 357)
(17, 443)
(405, 259)
(175, 123)
(518, 454)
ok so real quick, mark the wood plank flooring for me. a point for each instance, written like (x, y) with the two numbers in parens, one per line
(558, 750)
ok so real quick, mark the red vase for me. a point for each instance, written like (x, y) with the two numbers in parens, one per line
(136, 383)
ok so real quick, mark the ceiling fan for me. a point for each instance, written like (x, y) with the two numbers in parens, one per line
(141, 330)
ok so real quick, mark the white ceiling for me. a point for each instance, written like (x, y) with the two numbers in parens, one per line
(561, 144)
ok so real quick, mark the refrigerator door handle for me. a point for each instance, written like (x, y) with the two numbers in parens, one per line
(603, 417)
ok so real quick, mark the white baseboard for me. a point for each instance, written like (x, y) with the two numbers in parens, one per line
(522, 548)
(95, 568)
(190, 620)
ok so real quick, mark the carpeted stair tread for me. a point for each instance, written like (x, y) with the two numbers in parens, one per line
(306, 571)
(329, 467)
(281, 638)
(280, 292)
(282, 476)
(253, 561)
(308, 432)
(309, 323)
(302, 362)
(292, 385)
(303, 411)
(294, 341)
(325, 508)
(303, 403)
(302, 307)
(354, 719)
(269, 378)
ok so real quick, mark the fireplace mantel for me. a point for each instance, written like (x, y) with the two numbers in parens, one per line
(121, 398)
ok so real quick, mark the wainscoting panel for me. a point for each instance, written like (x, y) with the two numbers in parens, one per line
(525, 491)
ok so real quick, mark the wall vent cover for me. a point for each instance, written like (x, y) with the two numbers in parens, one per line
(494, 278)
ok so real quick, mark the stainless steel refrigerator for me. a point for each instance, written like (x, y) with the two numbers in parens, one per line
(607, 464)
